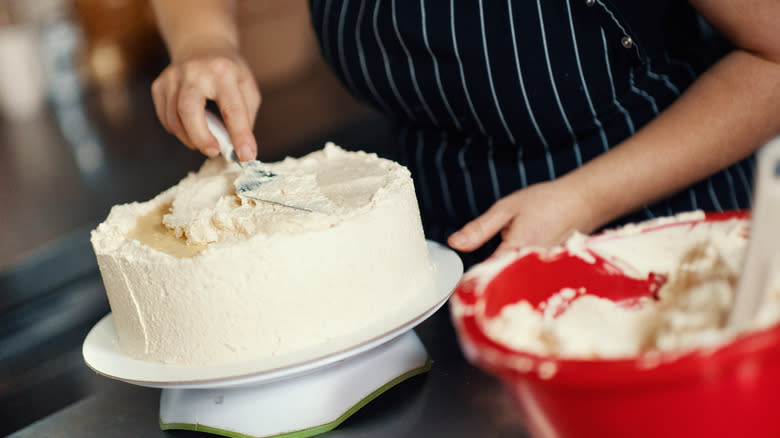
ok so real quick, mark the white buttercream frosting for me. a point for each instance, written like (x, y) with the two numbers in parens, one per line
(700, 263)
(198, 275)
(332, 184)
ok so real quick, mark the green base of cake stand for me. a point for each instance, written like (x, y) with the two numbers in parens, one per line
(299, 406)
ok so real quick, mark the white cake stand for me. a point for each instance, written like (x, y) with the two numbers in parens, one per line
(295, 395)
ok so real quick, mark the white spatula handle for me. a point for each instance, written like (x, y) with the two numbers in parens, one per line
(219, 131)
(764, 242)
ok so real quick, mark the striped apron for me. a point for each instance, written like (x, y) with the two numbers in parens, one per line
(490, 96)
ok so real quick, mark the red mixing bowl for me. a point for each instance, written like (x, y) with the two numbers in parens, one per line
(729, 391)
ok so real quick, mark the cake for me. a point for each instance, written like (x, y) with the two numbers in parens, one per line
(201, 276)
(694, 263)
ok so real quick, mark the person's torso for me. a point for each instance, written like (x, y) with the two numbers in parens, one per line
(492, 96)
(538, 74)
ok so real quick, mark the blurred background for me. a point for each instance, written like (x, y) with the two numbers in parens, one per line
(78, 134)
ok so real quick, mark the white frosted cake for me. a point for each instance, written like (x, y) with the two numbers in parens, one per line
(200, 276)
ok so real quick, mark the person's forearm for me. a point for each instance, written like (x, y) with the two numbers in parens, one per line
(188, 25)
(728, 113)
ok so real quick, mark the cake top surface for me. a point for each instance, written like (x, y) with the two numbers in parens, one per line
(331, 182)
(204, 208)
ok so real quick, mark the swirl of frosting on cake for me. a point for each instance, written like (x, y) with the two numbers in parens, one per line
(332, 183)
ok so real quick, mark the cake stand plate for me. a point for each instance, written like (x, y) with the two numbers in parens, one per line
(293, 395)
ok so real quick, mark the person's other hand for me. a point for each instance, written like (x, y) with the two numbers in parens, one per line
(219, 74)
(544, 214)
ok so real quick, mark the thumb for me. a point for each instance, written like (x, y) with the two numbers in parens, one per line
(475, 233)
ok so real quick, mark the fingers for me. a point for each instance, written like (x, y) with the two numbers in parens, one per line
(190, 108)
(159, 99)
(167, 93)
(477, 232)
(181, 91)
(236, 117)
(165, 96)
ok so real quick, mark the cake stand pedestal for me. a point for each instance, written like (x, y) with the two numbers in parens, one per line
(297, 407)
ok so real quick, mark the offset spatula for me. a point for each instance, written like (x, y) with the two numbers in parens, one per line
(764, 245)
(254, 174)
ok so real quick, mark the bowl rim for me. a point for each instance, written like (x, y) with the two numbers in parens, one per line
(649, 368)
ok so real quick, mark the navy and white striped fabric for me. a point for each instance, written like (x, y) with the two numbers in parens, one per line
(491, 96)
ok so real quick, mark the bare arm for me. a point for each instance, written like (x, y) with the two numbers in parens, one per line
(188, 25)
(726, 114)
(202, 40)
